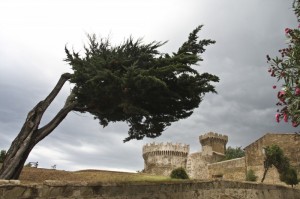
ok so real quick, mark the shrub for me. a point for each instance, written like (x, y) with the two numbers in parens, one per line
(289, 176)
(250, 176)
(179, 173)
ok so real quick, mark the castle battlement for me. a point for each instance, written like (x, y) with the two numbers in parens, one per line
(178, 147)
(212, 135)
(213, 142)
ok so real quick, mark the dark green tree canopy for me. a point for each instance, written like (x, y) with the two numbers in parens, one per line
(274, 156)
(135, 83)
(232, 153)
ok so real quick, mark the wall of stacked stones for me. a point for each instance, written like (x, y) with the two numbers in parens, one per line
(161, 159)
(164, 190)
(234, 169)
(289, 143)
(196, 166)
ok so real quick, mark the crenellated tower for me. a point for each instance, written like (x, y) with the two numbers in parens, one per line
(213, 142)
(161, 159)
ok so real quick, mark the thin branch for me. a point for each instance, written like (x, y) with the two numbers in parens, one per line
(48, 128)
(34, 117)
(63, 78)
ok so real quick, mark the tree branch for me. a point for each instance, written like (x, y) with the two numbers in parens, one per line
(48, 128)
(31, 124)
(62, 80)
(35, 115)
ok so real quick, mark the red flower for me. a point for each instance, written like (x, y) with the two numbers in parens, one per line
(285, 117)
(277, 117)
(287, 30)
(274, 87)
(297, 91)
(280, 95)
(295, 124)
(273, 73)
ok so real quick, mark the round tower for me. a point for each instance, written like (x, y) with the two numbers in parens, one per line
(161, 159)
(213, 142)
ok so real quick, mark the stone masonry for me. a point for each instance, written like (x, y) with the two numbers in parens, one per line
(161, 159)
(212, 189)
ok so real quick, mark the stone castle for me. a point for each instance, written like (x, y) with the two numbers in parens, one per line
(161, 159)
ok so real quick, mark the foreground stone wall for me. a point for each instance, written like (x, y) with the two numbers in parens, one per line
(164, 190)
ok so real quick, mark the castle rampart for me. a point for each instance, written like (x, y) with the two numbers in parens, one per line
(168, 147)
(213, 142)
(162, 158)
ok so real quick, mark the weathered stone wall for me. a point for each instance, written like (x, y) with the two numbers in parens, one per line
(234, 169)
(197, 166)
(165, 190)
(254, 154)
(161, 159)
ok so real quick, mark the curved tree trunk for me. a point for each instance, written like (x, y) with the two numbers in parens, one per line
(264, 175)
(31, 134)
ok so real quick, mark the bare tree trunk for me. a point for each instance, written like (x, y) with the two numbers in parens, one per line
(30, 133)
(265, 173)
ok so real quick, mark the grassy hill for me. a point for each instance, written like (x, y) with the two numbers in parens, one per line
(37, 175)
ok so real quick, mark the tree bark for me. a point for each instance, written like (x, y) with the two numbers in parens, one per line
(31, 134)
(264, 175)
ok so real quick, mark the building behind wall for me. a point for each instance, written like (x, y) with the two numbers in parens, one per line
(254, 153)
(213, 150)
(161, 159)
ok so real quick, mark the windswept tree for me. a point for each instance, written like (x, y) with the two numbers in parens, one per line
(274, 156)
(132, 82)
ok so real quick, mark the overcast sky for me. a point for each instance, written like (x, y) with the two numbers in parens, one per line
(33, 34)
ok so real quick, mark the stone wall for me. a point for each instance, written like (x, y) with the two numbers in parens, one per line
(254, 154)
(161, 159)
(164, 190)
(197, 166)
(234, 169)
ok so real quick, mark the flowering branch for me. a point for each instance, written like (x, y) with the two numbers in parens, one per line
(287, 68)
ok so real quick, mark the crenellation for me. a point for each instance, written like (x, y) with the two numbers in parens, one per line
(178, 147)
(216, 136)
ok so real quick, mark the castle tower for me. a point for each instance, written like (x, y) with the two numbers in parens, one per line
(213, 142)
(161, 159)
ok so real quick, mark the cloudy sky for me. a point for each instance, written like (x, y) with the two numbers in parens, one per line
(33, 34)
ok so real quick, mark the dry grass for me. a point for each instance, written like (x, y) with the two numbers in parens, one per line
(36, 175)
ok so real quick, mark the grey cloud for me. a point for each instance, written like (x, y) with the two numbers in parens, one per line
(244, 108)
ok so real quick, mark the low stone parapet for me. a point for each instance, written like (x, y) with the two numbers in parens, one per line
(148, 190)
